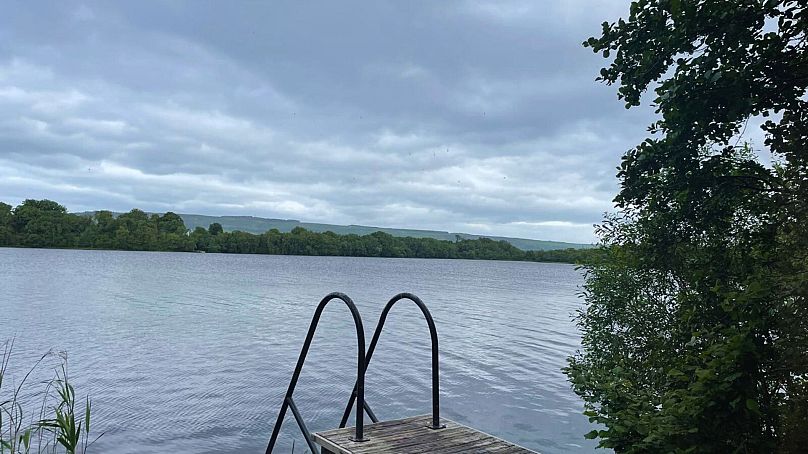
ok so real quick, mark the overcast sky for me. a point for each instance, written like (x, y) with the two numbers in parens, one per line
(478, 117)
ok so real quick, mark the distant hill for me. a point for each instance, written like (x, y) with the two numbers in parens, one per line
(260, 225)
(254, 224)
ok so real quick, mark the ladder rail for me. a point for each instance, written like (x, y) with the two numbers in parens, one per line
(359, 387)
(433, 332)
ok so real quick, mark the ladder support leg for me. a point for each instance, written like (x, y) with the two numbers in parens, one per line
(302, 425)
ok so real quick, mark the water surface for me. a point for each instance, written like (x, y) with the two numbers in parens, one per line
(193, 352)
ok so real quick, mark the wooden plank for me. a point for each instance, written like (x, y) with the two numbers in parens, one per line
(414, 436)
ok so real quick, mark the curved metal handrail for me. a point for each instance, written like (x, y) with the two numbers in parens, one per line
(433, 332)
(359, 388)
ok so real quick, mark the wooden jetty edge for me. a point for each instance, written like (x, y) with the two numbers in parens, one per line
(414, 435)
(418, 434)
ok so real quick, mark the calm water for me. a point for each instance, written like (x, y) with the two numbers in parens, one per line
(193, 352)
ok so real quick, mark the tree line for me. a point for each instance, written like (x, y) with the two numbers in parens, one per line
(47, 224)
(695, 329)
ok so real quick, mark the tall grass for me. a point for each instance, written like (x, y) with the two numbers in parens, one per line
(60, 425)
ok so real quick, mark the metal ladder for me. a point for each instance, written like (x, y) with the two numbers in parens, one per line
(363, 360)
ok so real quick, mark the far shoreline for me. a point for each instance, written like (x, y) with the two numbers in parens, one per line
(47, 224)
(459, 259)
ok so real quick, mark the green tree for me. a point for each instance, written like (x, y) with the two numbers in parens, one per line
(172, 235)
(215, 228)
(5, 225)
(136, 231)
(106, 226)
(201, 239)
(171, 223)
(45, 223)
(696, 321)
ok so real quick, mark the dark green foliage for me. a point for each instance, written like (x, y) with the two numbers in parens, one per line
(215, 228)
(44, 223)
(138, 231)
(378, 244)
(696, 323)
(5, 225)
(258, 225)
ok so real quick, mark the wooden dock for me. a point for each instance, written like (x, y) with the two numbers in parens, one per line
(414, 435)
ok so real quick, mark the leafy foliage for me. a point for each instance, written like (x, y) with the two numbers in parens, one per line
(696, 322)
(257, 225)
(43, 223)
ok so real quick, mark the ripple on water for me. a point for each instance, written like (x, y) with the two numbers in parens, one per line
(193, 352)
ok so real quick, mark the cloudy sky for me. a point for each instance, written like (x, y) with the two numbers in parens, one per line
(478, 117)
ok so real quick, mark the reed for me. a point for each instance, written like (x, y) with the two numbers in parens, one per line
(61, 424)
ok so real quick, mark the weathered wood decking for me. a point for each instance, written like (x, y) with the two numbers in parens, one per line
(413, 435)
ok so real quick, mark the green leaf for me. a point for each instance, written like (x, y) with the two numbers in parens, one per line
(87, 416)
(676, 8)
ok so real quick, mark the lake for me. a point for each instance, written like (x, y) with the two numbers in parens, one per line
(189, 352)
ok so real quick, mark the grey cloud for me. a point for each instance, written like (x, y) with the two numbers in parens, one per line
(464, 116)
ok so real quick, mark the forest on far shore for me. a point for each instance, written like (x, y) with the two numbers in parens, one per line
(47, 224)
